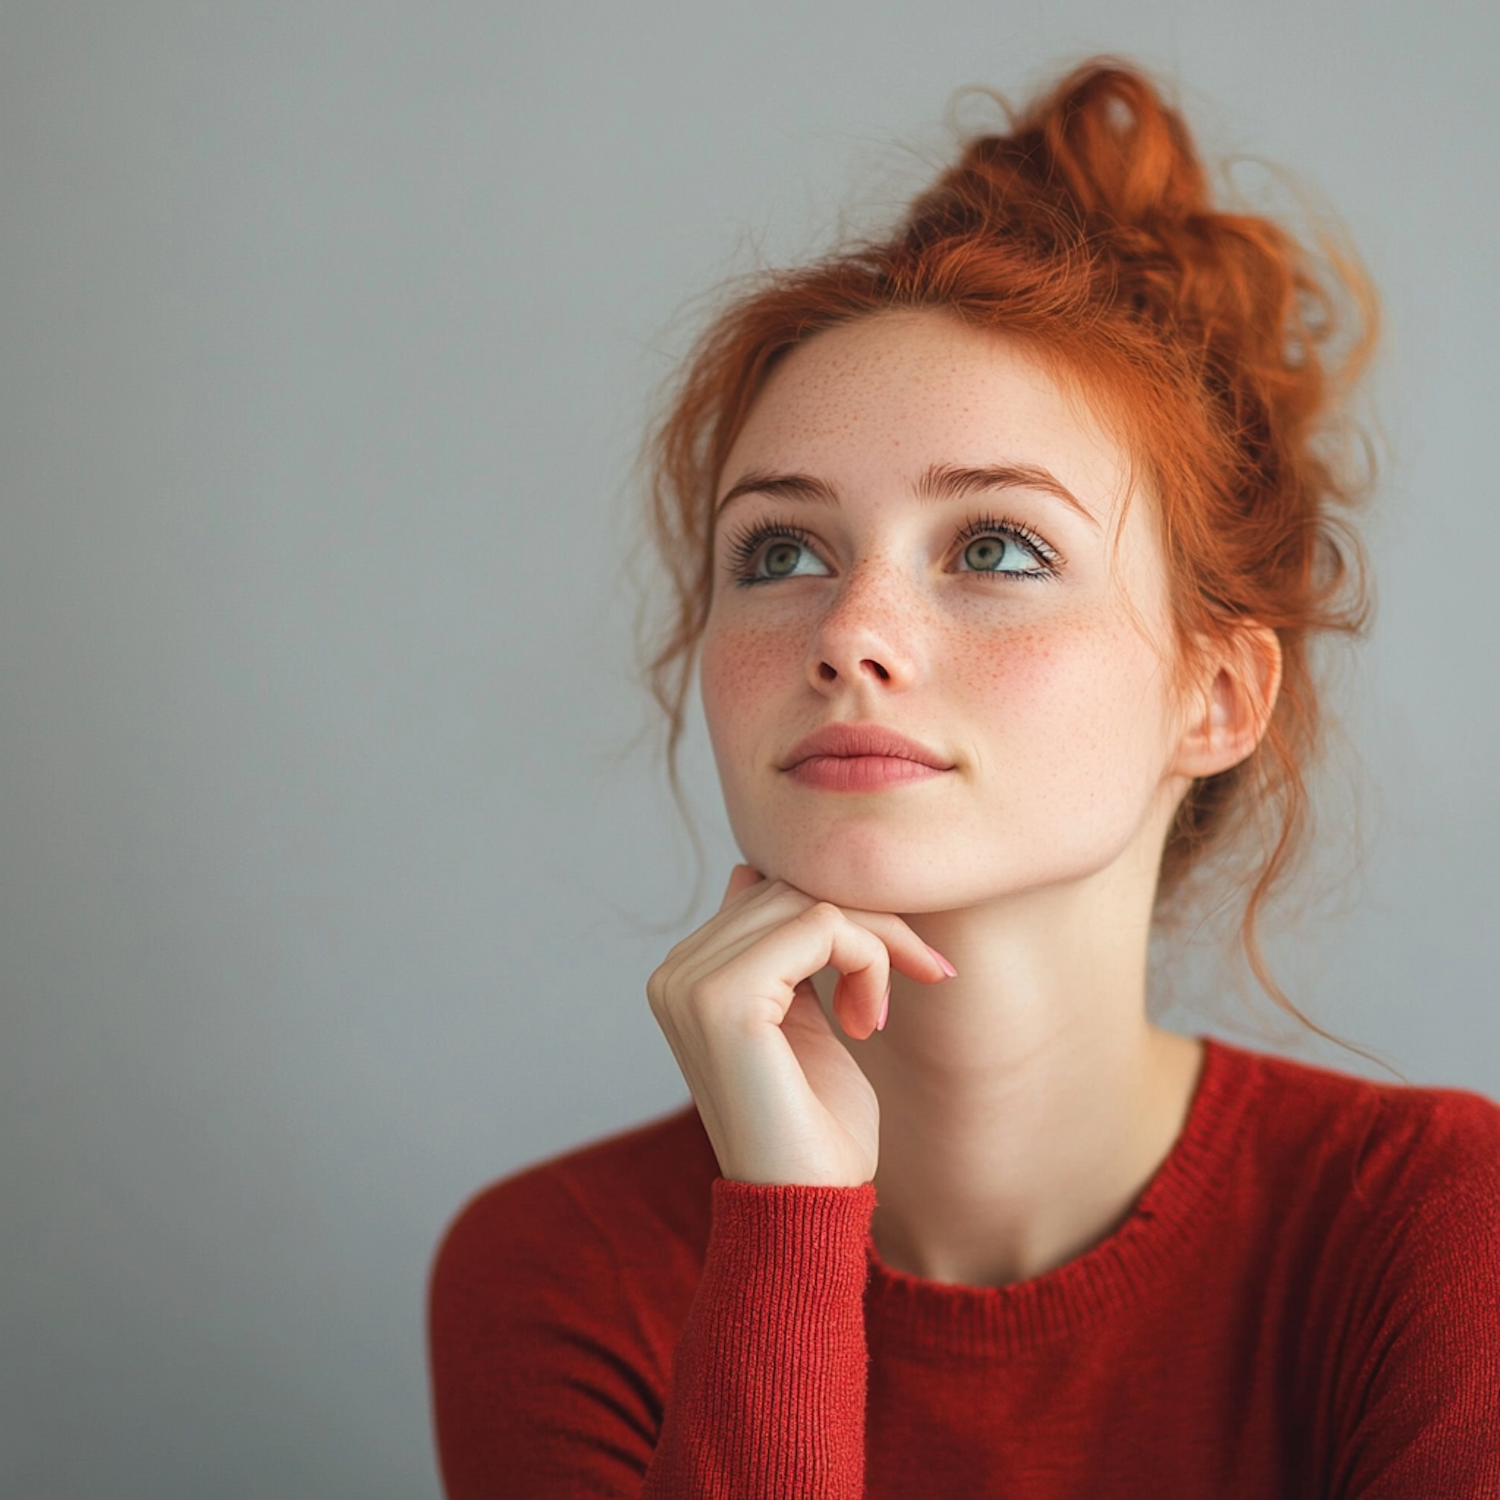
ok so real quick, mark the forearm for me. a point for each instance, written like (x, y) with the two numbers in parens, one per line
(768, 1383)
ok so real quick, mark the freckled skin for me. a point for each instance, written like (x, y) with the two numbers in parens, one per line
(1051, 697)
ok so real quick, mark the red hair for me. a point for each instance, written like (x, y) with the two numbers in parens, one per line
(1211, 341)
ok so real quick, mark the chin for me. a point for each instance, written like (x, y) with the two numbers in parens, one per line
(871, 868)
(866, 876)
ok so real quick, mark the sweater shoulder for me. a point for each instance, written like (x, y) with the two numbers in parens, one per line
(1384, 1273)
(1388, 1144)
(554, 1304)
(627, 1198)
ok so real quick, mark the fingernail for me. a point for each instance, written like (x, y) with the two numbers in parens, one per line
(942, 962)
(885, 1010)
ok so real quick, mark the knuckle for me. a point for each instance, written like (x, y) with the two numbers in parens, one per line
(823, 914)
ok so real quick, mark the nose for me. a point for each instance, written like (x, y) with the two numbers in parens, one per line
(869, 635)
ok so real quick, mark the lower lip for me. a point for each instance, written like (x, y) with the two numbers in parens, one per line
(859, 773)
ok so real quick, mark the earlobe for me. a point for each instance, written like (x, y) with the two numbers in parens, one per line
(1234, 704)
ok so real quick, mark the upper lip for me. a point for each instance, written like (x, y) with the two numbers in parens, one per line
(850, 740)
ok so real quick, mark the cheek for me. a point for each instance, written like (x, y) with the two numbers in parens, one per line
(1018, 679)
(1079, 704)
(1002, 668)
(741, 667)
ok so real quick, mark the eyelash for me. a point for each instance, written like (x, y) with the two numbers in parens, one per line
(1048, 557)
(746, 545)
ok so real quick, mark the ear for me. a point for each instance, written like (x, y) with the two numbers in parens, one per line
(1231, 702)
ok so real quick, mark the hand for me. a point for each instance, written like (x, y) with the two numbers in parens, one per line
(779, 1095)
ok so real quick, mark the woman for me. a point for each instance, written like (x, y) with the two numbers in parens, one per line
(1000, 546)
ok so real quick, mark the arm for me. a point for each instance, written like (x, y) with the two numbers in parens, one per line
(543, 1381)
(551, 1348)
(768, 1386)
(1420, 1408)
(552, 1373)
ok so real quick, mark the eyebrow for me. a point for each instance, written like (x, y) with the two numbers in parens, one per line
(948, 482)
(937, 482)
(783, 486)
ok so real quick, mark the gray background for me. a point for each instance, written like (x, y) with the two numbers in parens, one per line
(329, 877)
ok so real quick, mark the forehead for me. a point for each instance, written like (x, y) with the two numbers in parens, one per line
(878, 402)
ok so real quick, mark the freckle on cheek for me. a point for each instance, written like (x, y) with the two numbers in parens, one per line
(986, 663)
(751, 660)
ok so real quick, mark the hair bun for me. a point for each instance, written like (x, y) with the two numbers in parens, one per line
(1100, 169)
(1121, 155)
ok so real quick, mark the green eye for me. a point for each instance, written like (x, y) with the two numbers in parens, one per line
(780, 559)
(985, 554)
(998, 553)
(772, 552)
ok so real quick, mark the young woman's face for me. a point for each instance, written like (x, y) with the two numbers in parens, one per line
(922, 535)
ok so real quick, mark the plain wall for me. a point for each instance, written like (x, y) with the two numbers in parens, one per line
(329, 878)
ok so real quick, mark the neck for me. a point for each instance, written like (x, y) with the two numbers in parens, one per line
(1024, 1105)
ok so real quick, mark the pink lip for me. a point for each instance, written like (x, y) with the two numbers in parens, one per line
(860, 758)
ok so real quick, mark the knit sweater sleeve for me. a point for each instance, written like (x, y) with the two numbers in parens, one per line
(768, 1384)
(554, 1368)
(1421, 1399)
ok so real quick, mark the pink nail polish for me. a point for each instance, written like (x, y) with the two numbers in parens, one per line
(885, 1010)
(942, 962)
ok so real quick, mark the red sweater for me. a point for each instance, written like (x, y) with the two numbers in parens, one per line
(1305, 1301)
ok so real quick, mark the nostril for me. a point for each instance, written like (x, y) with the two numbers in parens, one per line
(877, 669)
(826, 672)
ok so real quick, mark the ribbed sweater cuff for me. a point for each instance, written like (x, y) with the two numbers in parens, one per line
(768, 1382)
(768, 1232)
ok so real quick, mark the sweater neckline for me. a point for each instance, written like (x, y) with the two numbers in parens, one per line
(1172, 1213)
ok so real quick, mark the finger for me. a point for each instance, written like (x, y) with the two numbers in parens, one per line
(741, 879)
(742, 920)
(777, 901)
(864, 967)
(909, 954)
(852, 1008)
(764, 967)
(767, 905)
(770, 904)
